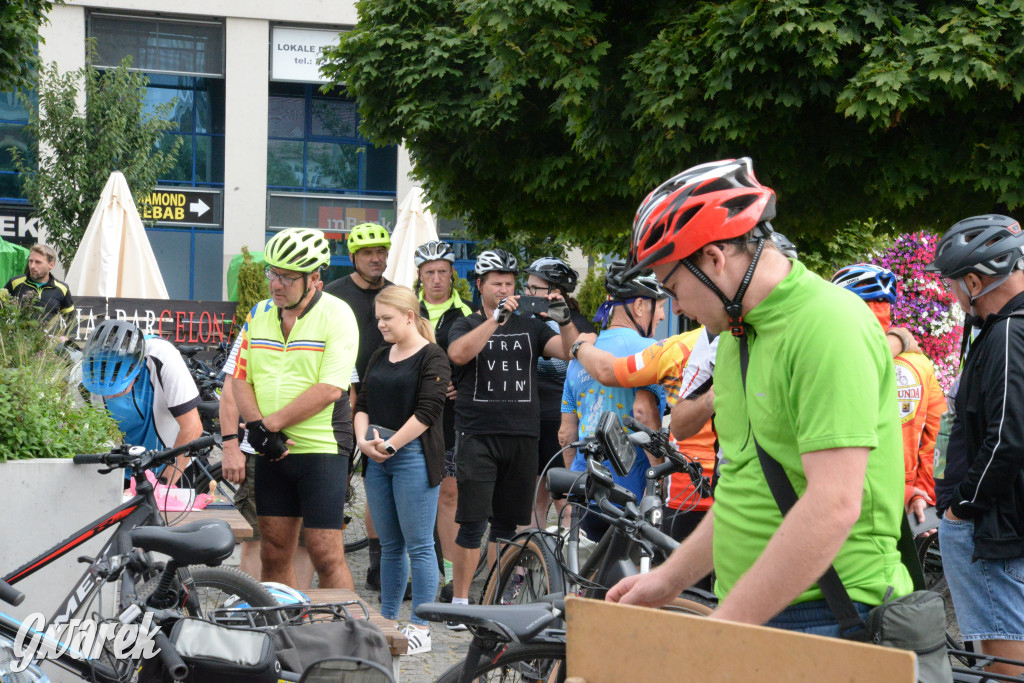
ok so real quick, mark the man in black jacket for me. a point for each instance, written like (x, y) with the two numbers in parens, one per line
(982, 530)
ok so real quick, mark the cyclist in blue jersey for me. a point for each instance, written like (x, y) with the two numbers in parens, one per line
(145, 385)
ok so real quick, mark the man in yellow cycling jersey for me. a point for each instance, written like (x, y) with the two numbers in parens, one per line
(295, 363)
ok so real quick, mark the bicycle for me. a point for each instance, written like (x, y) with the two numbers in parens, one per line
(510, 642)
(534, 563)
(144, 584)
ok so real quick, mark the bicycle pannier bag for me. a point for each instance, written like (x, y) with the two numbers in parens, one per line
(226, 655)
(299, 645)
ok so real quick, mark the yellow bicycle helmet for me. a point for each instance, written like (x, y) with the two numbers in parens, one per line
(300, 249)
(368, 235)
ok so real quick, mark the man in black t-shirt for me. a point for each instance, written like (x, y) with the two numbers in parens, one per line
(368, 245)
(497, 409)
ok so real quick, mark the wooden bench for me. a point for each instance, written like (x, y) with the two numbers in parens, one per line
(240, 527)
(396, 641)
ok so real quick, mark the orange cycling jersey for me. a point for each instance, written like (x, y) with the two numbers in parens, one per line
(663, 363)
(921, 405)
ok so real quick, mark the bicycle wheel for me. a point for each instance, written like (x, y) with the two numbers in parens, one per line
(930, 555)
(526, 572)
(533, 662)
(217, 587)
(355, 509)
(689, 604)
(201, 472)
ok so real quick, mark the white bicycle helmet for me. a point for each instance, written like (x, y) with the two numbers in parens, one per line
(435, 250)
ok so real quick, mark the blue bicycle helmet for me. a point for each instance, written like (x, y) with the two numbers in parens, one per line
(869, 282)
(113, 357)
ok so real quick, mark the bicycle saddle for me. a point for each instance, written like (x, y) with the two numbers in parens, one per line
(516, 622)
(189, 351)
(204, 542)
(209, 408)
(562, 482)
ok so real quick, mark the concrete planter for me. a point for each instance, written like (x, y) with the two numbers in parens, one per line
(45, 501)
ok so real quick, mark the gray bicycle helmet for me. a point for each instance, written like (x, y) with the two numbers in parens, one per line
(113, 357)
(783, 244)
(642, 284)
(988, 245)
(554, 270)
(435, 250)
(496, 261)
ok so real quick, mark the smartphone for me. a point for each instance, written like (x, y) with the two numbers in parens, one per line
(384, 432)
(533, 304)
(931, 521)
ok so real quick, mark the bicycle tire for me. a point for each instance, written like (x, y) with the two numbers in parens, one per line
(355, 509)
(689, 604)
(216, 587)
(533, 562)
(527, 662)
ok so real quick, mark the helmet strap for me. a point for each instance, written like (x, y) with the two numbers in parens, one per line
(988, 288)
(305, 292)
(636, 326)
(733, 307)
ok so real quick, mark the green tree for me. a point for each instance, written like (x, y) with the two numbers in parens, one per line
(556, 117)
(19, 35)
(78, 150)
(253, 287)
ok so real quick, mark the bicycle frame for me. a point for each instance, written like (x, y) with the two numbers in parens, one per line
(141, 510)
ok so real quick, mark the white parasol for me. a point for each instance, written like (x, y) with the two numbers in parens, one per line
(414, 226)
(115, 258)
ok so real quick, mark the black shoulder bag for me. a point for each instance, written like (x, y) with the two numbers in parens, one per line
(915, 622)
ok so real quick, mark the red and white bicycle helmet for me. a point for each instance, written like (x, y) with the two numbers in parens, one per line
(712, 202)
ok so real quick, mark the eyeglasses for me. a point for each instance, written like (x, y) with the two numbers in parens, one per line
(535, 288)
(286, 281)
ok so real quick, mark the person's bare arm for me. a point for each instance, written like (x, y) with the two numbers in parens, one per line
(645, 411)
(567, 433)
(245, 399)
(690, 415)
(558, 347)
(806, 542)
(233, 462)
(598, 363)
(190, 428)
(306, 405)
(469, 345)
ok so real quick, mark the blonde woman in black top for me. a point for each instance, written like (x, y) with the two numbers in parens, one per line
(398, 426)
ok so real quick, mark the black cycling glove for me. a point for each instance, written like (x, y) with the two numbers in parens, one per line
(559, 312)
(264, 441)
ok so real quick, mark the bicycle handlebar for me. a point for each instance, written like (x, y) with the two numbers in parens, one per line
(169, 657)
(127, 456)
(10, 594)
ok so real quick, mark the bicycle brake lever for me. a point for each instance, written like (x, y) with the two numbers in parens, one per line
(106, 470)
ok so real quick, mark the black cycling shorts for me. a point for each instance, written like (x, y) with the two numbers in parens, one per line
(496, 477)
(307, 485)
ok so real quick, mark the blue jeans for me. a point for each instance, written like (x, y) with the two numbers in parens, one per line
(813, 617)
(404, 509)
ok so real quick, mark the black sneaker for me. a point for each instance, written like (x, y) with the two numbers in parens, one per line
(447, 591)
(408, 593)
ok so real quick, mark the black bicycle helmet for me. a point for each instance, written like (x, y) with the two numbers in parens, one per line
(555, 271)
(113, 357)
(642, 284)
(496, 261)
(435, 250)
(988, 245)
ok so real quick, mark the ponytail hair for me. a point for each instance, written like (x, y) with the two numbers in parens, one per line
(403, 299)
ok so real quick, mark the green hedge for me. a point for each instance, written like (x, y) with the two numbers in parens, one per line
(42, 413)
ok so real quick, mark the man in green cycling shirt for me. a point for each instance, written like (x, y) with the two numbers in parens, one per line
(820, 397)
(295, 363)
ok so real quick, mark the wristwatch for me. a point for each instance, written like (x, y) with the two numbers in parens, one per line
(389, 448)
(575, 348)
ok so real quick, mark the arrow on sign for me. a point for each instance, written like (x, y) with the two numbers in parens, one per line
(198, 207)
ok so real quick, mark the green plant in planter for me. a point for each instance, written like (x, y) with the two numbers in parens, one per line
(253, 287)
(42, 415)
(592, 292)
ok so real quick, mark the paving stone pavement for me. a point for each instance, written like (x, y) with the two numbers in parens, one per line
(447, 647)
